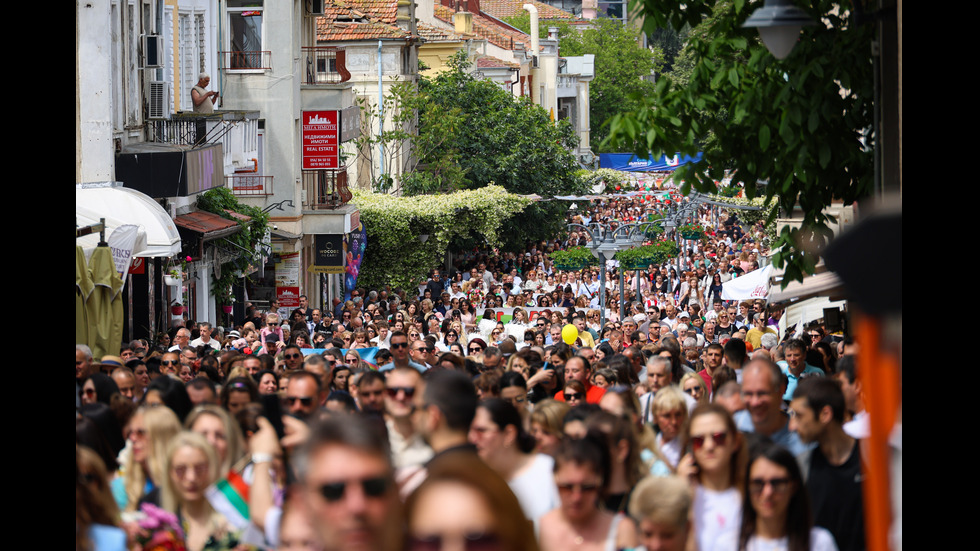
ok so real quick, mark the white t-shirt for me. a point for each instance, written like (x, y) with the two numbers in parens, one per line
(820, 540)
(535, 488)
(717, 518)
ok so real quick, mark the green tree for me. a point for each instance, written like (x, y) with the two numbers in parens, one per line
(622, 67)
(802, 124)
(494, 138)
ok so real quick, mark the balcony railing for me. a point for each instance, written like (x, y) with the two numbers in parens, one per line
(325, 189)
(245, 61)
(249, 185)
(325, 65)
(236, 131)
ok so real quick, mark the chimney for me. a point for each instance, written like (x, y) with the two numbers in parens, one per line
(405, 17)
(463, 20)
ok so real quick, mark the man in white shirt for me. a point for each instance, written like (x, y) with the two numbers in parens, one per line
(205, 338)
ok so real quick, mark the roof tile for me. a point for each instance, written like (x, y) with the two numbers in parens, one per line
(345, 20)
(509, 8)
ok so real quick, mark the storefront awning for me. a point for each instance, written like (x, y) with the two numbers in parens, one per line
(120, 206)
(210, 226)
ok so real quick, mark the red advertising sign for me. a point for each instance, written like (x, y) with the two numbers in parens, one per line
(321, 140)
(288, 297)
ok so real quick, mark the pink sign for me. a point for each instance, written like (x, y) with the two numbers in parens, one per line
(321, 140)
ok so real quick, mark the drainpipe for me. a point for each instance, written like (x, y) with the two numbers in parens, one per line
(381, 115)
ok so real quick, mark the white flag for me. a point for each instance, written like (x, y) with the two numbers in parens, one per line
(752, 285)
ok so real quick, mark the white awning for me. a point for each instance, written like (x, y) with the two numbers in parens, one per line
(119, 206)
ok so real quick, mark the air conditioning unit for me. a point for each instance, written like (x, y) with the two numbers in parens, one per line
(152, 51)
(159, 99)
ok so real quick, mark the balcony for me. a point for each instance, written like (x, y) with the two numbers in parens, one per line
(325, 65)
(325, 189)
(236, 131)
(249, 185)
(245, 61)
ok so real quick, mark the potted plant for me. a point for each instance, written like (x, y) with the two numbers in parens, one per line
(176, 272)
(573, 258)
(664, 251)
(691, 231)
(639, 258)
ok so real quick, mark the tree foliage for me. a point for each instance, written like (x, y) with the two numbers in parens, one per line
(472, 133)
(803, 123)
(622, 66)
(395, 253)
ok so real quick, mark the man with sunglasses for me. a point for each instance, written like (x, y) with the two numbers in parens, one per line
(399, 347)
(349, 486)
(293, 356)
(408, 449)
(304, 394)
(170, 363)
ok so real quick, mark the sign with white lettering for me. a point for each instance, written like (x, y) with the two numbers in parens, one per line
(321, 140)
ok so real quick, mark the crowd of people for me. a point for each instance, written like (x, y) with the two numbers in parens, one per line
(488, 409)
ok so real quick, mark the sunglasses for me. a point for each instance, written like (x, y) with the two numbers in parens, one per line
(397, 345)
(573, 396)
(294, 356)
(200, 471)
(719, 438)
(779, 485)
(372, 487)
(306, 401)
(170, 362)
(394, 390)
(476, 349)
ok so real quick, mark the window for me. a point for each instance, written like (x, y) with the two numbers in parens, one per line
(246, 34)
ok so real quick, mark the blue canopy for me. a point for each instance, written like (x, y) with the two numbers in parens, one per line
(631, 163)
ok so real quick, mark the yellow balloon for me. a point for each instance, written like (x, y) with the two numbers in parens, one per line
(569, 333)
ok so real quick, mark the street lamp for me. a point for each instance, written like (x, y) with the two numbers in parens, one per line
(779, 23)
(605, 241)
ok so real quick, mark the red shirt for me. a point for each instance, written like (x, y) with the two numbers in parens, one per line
(592, 395)
(707, 379)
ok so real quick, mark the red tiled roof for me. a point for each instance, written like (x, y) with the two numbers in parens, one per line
(490, 62)
(344, 20)
(438, 34)
(509, 8)
(487, 28)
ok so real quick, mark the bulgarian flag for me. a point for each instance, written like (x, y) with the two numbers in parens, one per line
(229, 496)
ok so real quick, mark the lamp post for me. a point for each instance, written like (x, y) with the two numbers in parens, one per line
(779, 23)
(605, 241)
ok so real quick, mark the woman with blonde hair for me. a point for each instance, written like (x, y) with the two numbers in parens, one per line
(693, 385)
(148, 432)
(546, 424)
(192, 466)
(222, 432)
(669, 413)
